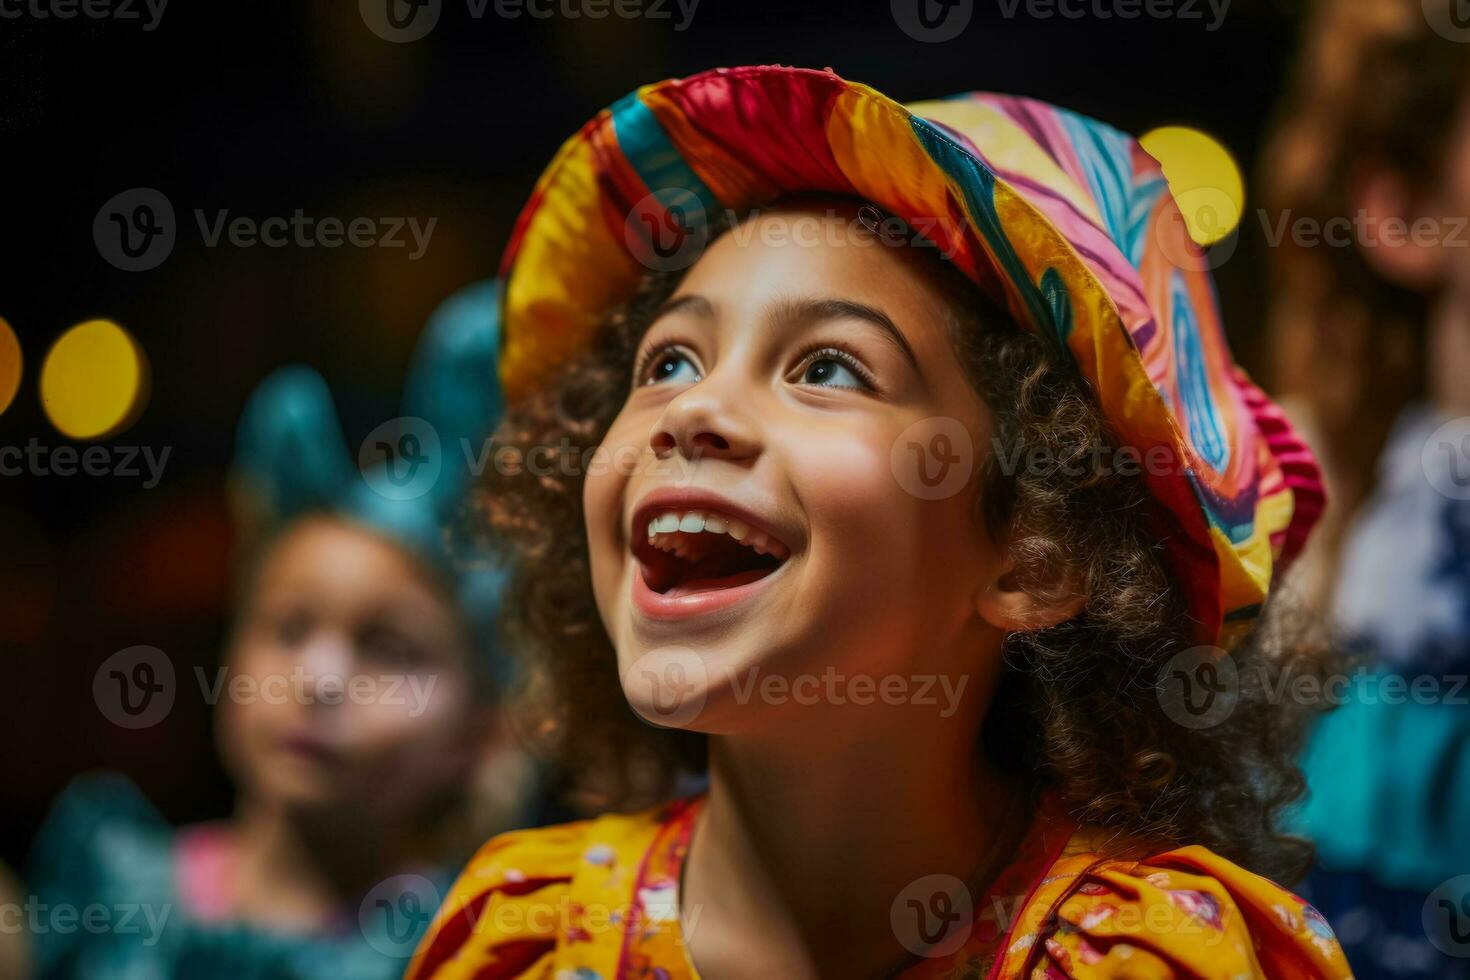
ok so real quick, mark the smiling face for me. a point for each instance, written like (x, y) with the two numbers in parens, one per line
(767, 528)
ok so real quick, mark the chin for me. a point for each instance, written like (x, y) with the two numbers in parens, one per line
(302, 793)
(708, 679)
(302, 788)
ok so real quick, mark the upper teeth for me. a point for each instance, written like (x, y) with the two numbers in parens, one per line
(662, 526)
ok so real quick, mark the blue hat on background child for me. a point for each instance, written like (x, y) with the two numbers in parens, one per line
(410, 475)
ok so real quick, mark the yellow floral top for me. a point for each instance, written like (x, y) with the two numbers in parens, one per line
(598, 900)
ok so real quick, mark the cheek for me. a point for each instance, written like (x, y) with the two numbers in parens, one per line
(870, 534)
(257, 655)
(410, 720)
(603, 495)
(246, 725)
(252, 665)
(844, 484)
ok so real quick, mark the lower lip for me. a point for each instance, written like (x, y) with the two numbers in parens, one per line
(309, 748)
(656, 605)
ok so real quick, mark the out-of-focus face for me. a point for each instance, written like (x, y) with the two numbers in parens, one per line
(764, 555)
(349, 686)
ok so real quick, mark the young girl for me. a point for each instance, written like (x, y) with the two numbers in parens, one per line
(356, 715)
(914, 497)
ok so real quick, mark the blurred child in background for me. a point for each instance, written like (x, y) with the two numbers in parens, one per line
(1371, 334)
(367, 750)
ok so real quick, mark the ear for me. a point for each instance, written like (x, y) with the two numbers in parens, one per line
(1004, 603)
(1387, 242)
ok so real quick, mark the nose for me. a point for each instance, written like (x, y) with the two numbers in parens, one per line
(707, 421)
(326, 662)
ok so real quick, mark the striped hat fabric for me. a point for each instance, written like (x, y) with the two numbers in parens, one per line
(1065, 221)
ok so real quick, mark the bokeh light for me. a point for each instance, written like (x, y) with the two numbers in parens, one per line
(94, 380)
(1203, 177)
(10, 365)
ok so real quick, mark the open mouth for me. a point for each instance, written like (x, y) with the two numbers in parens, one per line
(685, 552)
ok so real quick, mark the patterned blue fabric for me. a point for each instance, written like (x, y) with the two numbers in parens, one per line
(1106, 156)
(663, 170)
(978, 185)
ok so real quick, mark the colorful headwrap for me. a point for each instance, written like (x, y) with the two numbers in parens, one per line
(1064, 220)
(409, 481)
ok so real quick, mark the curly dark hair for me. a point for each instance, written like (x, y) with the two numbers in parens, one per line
(1079, 710)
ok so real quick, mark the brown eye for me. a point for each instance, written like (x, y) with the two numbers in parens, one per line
(388, 647)
(292, 629)
(834, 369)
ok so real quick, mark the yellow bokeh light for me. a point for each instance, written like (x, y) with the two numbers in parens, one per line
(1203, 177)
(94, 380)
(10, 365)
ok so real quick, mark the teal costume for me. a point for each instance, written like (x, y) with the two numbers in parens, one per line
(104, 852)
(1389, 770)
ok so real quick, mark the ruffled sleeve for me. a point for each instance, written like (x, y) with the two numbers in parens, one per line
(500, 919)
(1186, 913)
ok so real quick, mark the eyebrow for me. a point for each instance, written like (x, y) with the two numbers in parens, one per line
(792, 312)
(691, 303)
(801, 311)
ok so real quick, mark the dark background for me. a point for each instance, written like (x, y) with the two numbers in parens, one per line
(261, 108)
